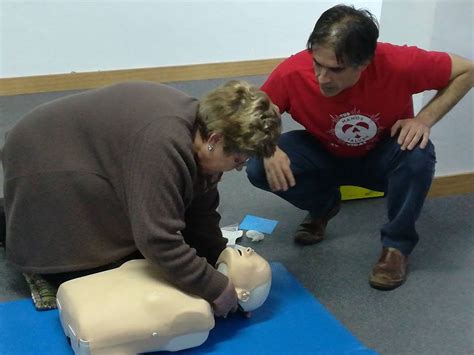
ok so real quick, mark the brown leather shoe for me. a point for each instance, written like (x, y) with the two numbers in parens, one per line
(390, 271)
(311, 230)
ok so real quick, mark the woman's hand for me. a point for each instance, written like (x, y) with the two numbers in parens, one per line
(226, 302)
(277, 169)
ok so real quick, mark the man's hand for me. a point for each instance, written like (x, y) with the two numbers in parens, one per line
(411, 131)
(226, 302)
(277, 169)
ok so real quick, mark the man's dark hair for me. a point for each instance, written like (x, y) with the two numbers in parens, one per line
(351, 33)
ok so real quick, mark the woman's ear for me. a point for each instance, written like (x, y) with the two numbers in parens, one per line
(214, 138)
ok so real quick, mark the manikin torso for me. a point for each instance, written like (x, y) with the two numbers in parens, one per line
(131, 309)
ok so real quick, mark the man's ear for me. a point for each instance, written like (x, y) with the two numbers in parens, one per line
(364, 66)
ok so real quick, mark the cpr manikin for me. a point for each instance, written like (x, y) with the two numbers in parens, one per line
(132, 309)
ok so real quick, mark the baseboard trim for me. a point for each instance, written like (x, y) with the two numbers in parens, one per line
(88, 80)
(452, 185)
(441, 186)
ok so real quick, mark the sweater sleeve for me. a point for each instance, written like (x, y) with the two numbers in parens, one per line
(159, 188)
(202, 230)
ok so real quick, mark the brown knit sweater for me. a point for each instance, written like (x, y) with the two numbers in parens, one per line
(91, 177)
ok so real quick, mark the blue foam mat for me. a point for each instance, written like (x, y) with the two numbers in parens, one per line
(291, 321)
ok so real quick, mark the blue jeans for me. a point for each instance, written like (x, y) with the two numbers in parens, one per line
(404, 176)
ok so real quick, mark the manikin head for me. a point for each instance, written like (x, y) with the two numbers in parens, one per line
(250, 274)
(342, 43)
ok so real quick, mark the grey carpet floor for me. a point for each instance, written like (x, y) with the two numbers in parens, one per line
(433, 313)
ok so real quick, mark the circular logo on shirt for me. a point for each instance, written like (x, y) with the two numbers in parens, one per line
(355, 130)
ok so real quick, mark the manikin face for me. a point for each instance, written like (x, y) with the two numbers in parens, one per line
(213, 159)
(250, 274)
(333, 77)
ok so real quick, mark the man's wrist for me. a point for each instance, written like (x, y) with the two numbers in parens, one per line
(426, 119)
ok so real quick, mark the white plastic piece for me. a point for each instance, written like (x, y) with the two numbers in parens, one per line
(231, 227)
(254, 235)
(231, 236)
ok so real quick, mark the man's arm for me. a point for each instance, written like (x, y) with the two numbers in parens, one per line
(461, 81)
(278, 171)
(412, 130)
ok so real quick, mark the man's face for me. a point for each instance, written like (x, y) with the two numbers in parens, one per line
(333, 77)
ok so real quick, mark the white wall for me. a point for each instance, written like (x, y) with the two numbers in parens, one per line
(443, 25)
(50, 37)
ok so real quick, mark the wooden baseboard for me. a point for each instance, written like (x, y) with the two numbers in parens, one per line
(78, 81)
(441, 186)
(452, 185)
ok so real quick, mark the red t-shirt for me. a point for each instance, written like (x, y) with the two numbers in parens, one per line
(352, 122)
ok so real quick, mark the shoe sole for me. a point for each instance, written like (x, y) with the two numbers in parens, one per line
(307, 242)
(385, 287)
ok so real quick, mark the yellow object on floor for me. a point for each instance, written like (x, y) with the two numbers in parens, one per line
(354, 193)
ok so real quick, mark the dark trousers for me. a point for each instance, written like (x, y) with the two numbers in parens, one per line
(404, 176)
(3, 225)
(59, 278)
